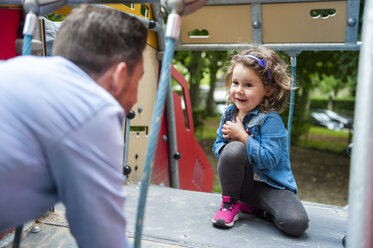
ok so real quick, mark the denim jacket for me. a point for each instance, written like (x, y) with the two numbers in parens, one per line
(267, 150)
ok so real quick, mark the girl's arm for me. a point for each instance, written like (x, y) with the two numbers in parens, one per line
(220, 142)
(266, 153)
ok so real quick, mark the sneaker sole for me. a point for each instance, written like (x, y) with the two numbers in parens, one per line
(221, 222)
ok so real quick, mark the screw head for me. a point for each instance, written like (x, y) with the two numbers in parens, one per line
(177, 156)
(35, 229)
(127, 170)
(351, 21)
(131, 115)
(256, 24)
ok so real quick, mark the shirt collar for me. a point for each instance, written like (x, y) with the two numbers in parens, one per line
(231, 110)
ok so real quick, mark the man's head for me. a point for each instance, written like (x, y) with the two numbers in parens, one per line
(108, 45)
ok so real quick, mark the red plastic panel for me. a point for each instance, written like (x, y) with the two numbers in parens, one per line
(9, 19)
(195, 172)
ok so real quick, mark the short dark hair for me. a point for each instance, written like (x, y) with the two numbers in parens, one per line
(95, 38)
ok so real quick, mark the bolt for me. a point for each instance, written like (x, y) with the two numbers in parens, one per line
(177, 156)
(131, 115)
(35, 229)
(127, 170)
(351, 21)
(256, 24)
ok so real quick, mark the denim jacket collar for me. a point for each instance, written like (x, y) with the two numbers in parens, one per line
(231, 111)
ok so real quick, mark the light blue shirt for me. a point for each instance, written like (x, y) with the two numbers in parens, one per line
(61, 140)
(267, 149)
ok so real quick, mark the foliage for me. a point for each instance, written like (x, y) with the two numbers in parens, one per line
(343, 106)
(56, 17)
(196, 65)
(208, 130)
(193, 62)
(339, 68)
(217, 61)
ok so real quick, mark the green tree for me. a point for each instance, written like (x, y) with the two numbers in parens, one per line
(194, 62)
(216, 61)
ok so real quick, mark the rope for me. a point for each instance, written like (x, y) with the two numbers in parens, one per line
(155, 128)
(291, 105)
(26, 48)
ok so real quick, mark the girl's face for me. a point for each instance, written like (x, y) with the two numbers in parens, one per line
(247, 90)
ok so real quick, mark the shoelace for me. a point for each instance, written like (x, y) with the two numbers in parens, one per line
(229, 205)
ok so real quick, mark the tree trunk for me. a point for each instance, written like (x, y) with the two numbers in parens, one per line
(210, 103)
(195, 71)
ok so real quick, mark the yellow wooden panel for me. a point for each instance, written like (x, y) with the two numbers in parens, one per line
(152, 38)
(225, 24)
(11, 6)
(138, 145)
(65, 10)
(292, 22)
(136, 10)
(147, 89)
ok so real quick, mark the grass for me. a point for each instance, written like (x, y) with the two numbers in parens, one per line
(208, 130)
(321, 138)
(327, 132)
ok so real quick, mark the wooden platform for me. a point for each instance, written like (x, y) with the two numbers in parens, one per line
(180, 218)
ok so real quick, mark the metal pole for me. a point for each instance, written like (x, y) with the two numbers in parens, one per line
(172, 32)
(361, 162)
(127, 126)
(293, 56)
(172, 140)
(291, 105)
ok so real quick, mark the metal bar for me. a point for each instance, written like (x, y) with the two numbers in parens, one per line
(172, 32)
(292, 96)
(158, 17)
(352, 23)
(126, 140)
(275, 46)
(225, 2)
(361, 162)
(172, 139)
(256, 22)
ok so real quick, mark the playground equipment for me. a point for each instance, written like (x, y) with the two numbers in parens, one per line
(289, 25)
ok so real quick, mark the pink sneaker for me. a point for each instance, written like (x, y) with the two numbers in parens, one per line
(250, 209)
(254, 210)
(228, 212)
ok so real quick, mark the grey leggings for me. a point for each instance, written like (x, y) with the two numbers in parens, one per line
(236, 178)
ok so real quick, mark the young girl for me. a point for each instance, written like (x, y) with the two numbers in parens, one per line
(254, 167)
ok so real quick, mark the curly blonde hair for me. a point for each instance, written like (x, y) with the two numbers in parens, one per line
(277, 79)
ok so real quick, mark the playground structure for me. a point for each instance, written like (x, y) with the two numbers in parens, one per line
(179, 161)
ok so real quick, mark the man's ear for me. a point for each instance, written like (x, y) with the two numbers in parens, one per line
(268, 91)
(119, 78)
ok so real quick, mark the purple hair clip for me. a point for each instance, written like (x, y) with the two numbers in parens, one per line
(261, 63)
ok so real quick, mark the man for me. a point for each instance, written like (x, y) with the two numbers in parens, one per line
(61, 125)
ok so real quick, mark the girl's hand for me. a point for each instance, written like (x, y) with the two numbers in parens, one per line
(235, 131)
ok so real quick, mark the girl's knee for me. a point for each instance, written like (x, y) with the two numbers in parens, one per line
(295, 225)
(234, 150)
